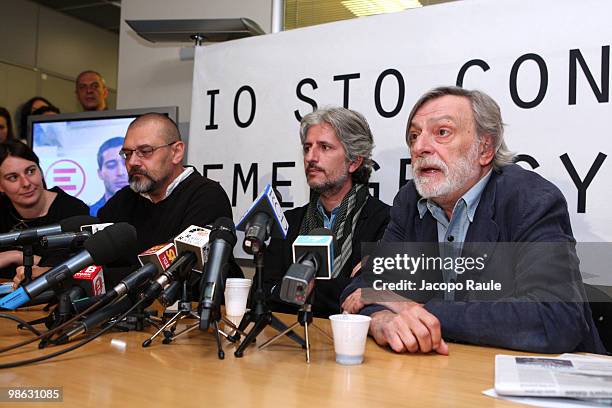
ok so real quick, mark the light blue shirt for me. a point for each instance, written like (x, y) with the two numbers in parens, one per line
(453, 232)
(328, 222)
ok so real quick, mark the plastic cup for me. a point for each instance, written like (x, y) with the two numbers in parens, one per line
(236, 295)
(350, 334)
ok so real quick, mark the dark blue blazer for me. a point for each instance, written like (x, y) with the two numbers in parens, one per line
(541, 307)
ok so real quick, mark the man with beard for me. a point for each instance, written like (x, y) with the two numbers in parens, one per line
(337, 146)
(466, 190)
(163, 197)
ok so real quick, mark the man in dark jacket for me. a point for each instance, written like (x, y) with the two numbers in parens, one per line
(337, 145)
(468, 198)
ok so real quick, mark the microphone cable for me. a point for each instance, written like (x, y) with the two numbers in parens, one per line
(21, 322)
(108, 298)
(49, 333)
(74, 346)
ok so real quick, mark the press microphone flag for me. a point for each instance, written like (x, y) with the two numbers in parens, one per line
(33, 235)
(115, 242)
(194, 239)
(91, 279)
(161, 256)
(321, 242)
(264, 218)
(312, 257)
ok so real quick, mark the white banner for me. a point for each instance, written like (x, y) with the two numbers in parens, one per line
(547, 63)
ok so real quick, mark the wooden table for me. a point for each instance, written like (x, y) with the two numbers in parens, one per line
(115, 371)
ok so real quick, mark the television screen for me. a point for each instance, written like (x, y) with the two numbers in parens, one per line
(79, 152)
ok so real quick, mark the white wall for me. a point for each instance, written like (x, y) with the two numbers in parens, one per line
(152, 74)
(43, 50)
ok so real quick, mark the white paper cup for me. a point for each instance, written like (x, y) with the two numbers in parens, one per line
(350, 334)
(236, 295)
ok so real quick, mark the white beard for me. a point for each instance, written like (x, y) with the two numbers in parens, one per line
(455, 174)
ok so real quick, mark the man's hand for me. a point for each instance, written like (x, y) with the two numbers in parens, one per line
(20, 275)
(353, 302)
(357, 268)
(413, 329)
(12, 257)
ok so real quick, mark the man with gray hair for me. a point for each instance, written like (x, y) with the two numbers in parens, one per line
(337, 146)
(466, 196)
(91, 91)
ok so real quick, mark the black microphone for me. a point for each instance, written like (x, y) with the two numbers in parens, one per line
(108, 245)
(184, 262)
(264, 218)
(221, 244)
(170, 294)
(130, 282)
(33, 235)
(69, 240)
(96, 318)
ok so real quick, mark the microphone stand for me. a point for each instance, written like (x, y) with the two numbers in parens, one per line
(186, 311)
(139, 319)
(304, 319)
(28, 262)
(260, 314)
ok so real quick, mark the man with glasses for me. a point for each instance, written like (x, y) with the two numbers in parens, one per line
(91, 91)
(163, 197)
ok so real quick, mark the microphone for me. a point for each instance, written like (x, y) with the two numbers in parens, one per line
(116, 241)
(313, 259)
(96, 318)
(222, 241)
(194, 239)
(32, 235)
(184, 261)
(170, 294)
(132, 281)
(69, 240)
(263, 219)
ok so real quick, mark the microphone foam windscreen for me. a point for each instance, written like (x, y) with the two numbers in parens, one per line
(112, 243)
(73, 224)
(224, 229)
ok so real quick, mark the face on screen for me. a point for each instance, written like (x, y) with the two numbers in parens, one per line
(113, 172)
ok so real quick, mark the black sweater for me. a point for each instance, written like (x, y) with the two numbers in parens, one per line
(197, 200)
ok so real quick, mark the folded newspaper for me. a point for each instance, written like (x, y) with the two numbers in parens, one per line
(569, 375)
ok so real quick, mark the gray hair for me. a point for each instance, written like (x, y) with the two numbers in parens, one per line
(487, 118)
(352, 130)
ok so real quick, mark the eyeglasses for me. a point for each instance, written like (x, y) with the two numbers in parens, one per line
(142, 151)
